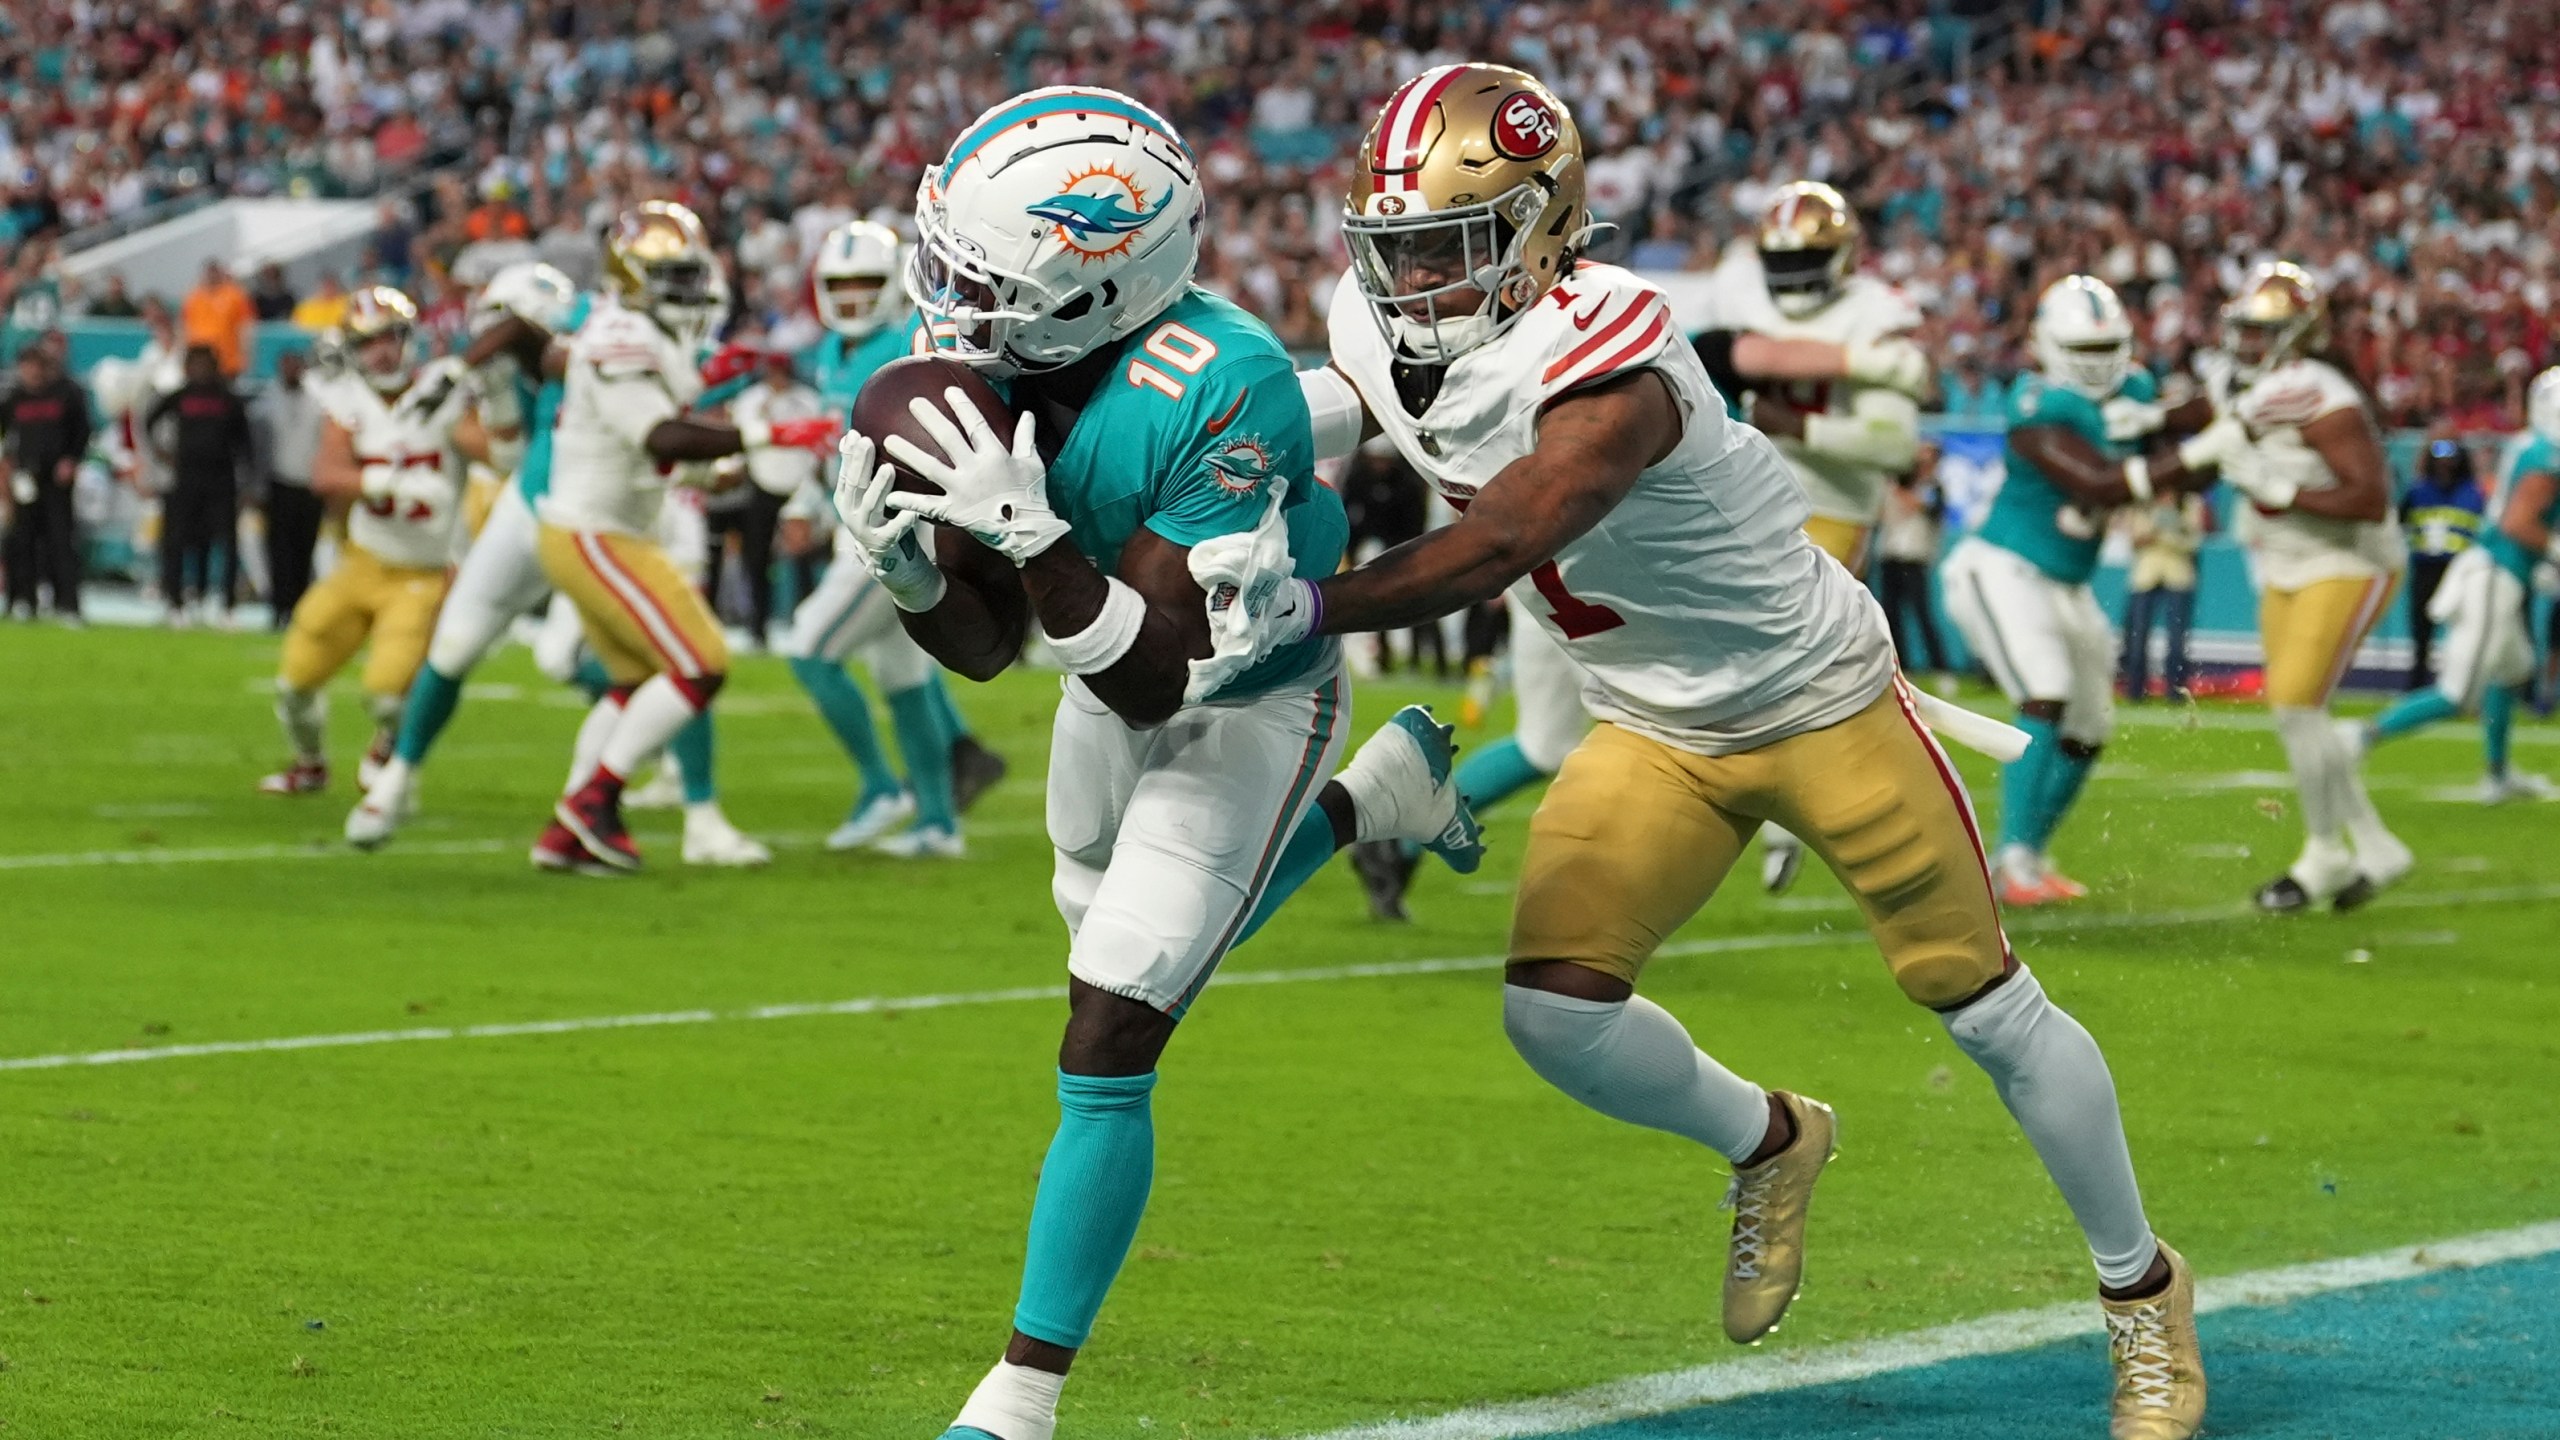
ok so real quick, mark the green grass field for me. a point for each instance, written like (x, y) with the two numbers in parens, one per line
(1365, 1204)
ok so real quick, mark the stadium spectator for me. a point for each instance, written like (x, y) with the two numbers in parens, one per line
(2440, 513)
(2161, 592)
(217, 314)
(47, 425)
(199, 517)
(113, 301)
(324, 308)
(288, 419)
(269, 297)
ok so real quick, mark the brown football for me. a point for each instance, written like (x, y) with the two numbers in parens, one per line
(880, 409)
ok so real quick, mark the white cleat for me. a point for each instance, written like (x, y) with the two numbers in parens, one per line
(665, 790)
(1403, 782)
(391, 799)
(1781, 857)
(2384, 859)
(925, 842)
(873, 819)
(2516, 785)
(2355, 737)
(709, 839)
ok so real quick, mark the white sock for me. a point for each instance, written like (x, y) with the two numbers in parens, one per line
(2311, 749)
(1014, 1402)
(304, 714)
(1775, 836)
(589, 747)
(393, 777)
(650, 718)
(1630, 1060)
(385, 710)
(703, 812)
(2050, 1074)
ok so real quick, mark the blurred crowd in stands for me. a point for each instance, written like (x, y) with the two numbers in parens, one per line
(2408, 151)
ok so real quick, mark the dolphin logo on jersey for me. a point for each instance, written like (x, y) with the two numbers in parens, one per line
(1100, 211)
(1241, 465)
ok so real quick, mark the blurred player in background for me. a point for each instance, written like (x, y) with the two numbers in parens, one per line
(2297, 438)
(2486, 654)
(388, 454)
(1154, 417)
(631, 372)
(1845, 438)
(860, 290)
(2018, 587)
(1740, 676)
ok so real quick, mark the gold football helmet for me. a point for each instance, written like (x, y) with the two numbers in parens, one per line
(1808, 246)
(2280, 314)
(1465, 207)
(375, 336)
(659, 261)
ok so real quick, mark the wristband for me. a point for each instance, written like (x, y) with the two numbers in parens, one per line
(2137, 478)
(1099, 646)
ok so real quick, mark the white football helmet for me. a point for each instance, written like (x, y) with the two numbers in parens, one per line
(858, 281)
(2082, 337)
(2542, 405)
(530, 290)
(1062, 220)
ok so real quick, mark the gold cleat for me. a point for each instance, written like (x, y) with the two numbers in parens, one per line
(1769, 1201)
(2159, 1365)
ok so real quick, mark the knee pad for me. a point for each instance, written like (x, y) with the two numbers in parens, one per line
(1997, 1028)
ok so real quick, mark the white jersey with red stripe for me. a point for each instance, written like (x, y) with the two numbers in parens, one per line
(1696, 609)
(626, 374)
(1868, 310)
(418, 523)
(2287, 548)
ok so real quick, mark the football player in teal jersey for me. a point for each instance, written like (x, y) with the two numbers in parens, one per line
(2488, 639)
(2018, 587)
(1057, 245)
(857, 281)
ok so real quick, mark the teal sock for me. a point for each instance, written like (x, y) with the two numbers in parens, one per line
(691, 750)
(432, 698)
(1093, 1188)
(2414, 711)
(2497, 726)
(2063, 778)
(2024, 784)
(1309, 847)
(590, 676)
(925, 744)
(957, 727)
(1495, 773)
(847, 712)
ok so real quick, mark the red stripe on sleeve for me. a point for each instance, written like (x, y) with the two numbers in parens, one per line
(1608, 334)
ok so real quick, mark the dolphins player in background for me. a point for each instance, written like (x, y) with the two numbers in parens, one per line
(2488, 641)
(1844, 439)
(860, 292)
(517, 321)
(2018, 587)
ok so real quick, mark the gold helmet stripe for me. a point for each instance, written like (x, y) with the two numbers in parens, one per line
(1407, 123)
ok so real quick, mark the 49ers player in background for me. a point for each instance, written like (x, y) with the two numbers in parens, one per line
(1739, 677)
(386, 453)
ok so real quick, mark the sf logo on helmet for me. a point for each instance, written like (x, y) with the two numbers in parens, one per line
(1525, 127)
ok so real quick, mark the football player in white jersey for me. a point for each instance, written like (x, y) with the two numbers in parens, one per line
(1740, 676)
(622, 432)
(2299, 440)
(1844, 439)
(386, 453)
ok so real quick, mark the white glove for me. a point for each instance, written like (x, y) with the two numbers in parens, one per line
(1256, 602)
(378, 481)
(2219, 372)
(2131, 419)
(999, 496)
(2212, 445)
(2248, 471)
(420, 487)
(891, 545)
(1893, 364)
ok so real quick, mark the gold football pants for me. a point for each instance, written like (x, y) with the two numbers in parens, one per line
(2311, 634)
(641, 616)
(393, 604)
(1635, 834)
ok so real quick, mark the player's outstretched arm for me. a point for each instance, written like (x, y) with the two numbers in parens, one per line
(2345, 439)
(1592, 444)
(2076, 467)
(2528, 500)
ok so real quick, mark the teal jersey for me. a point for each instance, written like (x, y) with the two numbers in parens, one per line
(541, 412)
(2031, 516)
(1192, 419)
(838, 364)
(2537, 457)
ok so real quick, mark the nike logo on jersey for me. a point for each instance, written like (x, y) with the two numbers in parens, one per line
(1220, 424)
(1583, 320)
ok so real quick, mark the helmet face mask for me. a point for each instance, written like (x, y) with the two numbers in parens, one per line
(660, 263)
(2082, 337)
(376, 337)
(1808, 247)
(2279, 316)
(857, 282)
(1465, 207)
(1062, 220)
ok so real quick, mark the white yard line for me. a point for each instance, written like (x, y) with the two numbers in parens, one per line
(1379, 970)
(1648, 1395)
